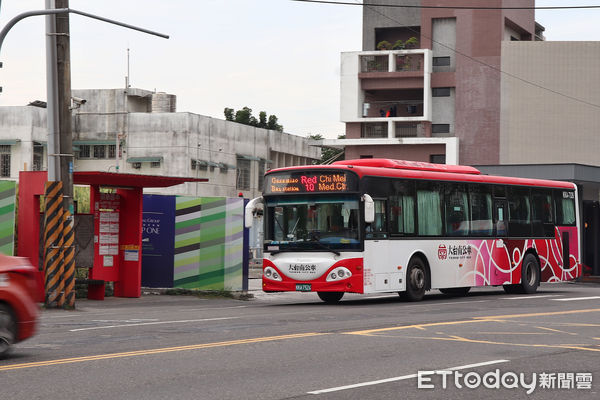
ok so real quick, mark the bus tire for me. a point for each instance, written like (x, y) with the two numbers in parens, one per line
(416, 280)
(456, 291)
(330, 297)
(530, 274)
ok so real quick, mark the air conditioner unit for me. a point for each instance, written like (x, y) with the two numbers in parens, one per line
(136, 165)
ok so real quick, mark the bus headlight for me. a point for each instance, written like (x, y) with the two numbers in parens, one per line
(338, 274)
(270, 273)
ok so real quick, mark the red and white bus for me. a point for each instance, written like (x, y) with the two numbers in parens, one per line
(380, 225)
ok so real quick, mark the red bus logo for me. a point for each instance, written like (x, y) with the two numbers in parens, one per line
(442, 252)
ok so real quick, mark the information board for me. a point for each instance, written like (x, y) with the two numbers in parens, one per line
(311, 182)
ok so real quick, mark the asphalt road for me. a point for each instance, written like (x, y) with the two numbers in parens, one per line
(281, 346)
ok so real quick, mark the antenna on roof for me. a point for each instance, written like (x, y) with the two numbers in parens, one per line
(127, 84)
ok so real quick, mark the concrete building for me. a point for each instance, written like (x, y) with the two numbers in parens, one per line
(439, 101)
(139, 131)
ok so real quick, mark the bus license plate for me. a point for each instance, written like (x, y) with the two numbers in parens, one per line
(303, 287)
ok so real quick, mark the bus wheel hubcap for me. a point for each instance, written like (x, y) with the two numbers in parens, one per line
(418, 278)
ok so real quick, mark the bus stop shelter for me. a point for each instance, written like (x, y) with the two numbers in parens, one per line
(117, 225)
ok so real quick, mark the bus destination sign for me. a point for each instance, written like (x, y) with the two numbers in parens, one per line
(309, 182)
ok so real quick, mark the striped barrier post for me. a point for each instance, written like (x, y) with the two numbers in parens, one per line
(53, 227)
(69, 259)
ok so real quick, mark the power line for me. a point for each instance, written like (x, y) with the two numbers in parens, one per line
(346, 3)
(478, 61)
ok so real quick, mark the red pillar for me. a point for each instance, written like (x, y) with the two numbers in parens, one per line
(130, 243)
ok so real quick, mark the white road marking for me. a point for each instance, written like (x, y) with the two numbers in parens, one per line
(404, 377)
(578, 298)
(151, 323)
(530, 297)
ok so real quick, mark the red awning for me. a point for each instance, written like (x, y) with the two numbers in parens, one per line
(114, 179)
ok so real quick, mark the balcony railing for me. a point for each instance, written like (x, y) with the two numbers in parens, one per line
(393, 109)
(374, 130)
(392, 61)
(409, 130)
(409, 62)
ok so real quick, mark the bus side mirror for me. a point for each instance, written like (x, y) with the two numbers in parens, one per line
(251, 209)
(369, 209)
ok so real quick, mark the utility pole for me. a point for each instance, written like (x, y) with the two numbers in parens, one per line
(63, 64)
(59, 265)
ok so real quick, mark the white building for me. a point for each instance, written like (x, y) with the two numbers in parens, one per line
(138, 131)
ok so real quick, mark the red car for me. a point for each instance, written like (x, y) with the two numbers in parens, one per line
(18, 310)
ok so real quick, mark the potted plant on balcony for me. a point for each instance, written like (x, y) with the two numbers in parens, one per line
(411, 43)
(399, 45)
(384, 45)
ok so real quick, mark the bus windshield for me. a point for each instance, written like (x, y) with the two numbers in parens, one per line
(312, 223)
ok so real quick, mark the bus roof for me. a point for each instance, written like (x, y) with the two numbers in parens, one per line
(422, 170)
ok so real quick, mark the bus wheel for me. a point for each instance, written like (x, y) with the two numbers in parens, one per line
(416, 280)
(330, 297)
(456, 291)
(530, 275)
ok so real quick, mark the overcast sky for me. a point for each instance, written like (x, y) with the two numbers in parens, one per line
(279, 56)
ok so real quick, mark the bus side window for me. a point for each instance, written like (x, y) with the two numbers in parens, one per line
(500, 217)
(565, 207)
(480, 201)
(378, 228)
(456, 206)
(429, 208)
(402, 208)
(543, 221)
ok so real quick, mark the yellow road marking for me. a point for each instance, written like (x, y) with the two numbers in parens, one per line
(416, 326)
(557, 346)
(512, 316)
(156, 351)
(556, 330)
(489, 318)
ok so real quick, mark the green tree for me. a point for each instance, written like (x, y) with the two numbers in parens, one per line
(262, 120)
(244, 116)
(229, 113)
(272, 124)
(329, 154)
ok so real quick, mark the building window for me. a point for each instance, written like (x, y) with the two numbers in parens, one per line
(84, 151)
(366, 156)
(441, 61)
(193, 164)
(155, 164)
(100, 151)
(261, 174)
(440, 128)
(38, 157)
(437, 158)
(440, 92)
(5, 160)
(243, 174)
(112, 151)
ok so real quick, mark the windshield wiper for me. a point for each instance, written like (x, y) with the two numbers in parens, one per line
(324, 246)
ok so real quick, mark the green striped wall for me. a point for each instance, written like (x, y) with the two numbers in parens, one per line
(208, 243)
(7, 217)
